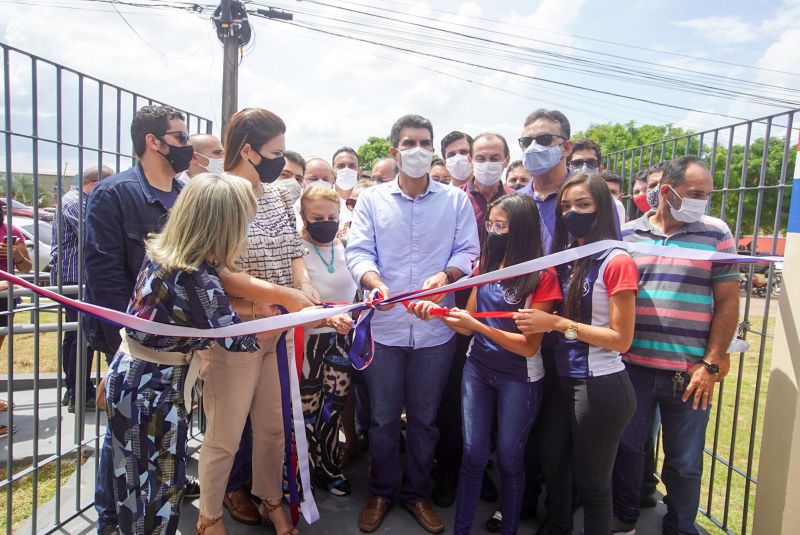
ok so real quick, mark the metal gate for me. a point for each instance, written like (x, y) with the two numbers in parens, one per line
(749, 162)
(56, 122)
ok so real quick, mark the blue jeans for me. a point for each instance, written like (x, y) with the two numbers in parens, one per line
(413, 378)
(683, 436)
(513, 404)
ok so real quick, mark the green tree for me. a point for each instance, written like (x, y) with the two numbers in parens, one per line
(373, 150)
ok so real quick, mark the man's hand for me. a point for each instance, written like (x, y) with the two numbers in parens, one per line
(435, 281)
(701, 386)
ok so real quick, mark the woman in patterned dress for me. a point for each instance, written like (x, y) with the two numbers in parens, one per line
(179, 284)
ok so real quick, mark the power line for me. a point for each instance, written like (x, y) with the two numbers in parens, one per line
(602, 69)
(587, 38)
(512, 73)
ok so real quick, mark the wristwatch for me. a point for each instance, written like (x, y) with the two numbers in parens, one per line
(571, 333)
(712, 368)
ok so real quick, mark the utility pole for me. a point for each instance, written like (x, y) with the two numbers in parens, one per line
(233, 30)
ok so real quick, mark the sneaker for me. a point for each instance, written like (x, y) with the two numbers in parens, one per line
(340, 487)
(495, 523)
(192, 489)
(618, 528)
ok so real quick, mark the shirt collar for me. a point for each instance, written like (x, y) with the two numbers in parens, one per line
(433, 187)
(147, 188)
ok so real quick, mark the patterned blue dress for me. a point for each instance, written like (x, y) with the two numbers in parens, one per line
(146, 412)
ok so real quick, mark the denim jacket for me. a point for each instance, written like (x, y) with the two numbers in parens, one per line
(121, 211)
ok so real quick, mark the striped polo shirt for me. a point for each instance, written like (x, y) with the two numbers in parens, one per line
(675, 303)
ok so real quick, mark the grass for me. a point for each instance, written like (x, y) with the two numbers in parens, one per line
(24, 345)
(22, 490)
(735, 432)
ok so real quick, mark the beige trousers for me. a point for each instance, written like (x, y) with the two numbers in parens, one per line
(235, 385)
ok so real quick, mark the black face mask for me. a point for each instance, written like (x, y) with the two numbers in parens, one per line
(518, 186)
(269, 169)
(323, 231)
(178, 157)
(497, 249)
(578, 223)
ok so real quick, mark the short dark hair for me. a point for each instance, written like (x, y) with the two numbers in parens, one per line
(674, 171)
(455, 135)
(295, 158)
(587, 144)
(345, 149)
(551, 115)
(506, 151)
(513, 165)
(614, 178)
(151, 120)
(409, 121)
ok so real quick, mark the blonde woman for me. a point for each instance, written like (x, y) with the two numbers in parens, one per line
(325, 383)
(180, 284)
(232, 391)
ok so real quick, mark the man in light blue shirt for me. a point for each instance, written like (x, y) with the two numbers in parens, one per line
(406, 234)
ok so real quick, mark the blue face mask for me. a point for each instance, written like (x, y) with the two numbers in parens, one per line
(538, 159)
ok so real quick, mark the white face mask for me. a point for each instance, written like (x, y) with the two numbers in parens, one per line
(215, 165)
(459, 166)
(691, 209)
(318, 183)
(488, 173)
(416, 162)
(346, 178)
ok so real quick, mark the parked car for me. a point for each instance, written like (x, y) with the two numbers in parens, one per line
(25, 225)
(21, 209)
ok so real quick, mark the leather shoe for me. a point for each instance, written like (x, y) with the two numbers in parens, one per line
(426, 515)
(372, 514)
(241, 507)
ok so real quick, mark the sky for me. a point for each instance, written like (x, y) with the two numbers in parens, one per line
(332, 91)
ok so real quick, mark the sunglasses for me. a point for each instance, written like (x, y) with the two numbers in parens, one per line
(182, 136)
(545, 140)
(350, 203)
(591, 163)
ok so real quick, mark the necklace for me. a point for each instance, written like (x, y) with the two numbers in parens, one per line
(329, 265)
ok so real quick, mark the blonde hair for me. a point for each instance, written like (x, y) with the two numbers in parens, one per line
(318, 193)
(209, 219)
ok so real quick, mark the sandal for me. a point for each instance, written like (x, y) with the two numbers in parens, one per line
(4, 405)
(266, 509)
(204, 523)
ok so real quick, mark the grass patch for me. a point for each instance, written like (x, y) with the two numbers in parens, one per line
(25, 345)
(22, 497)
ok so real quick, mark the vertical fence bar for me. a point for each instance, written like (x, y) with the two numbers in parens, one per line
(10, 296)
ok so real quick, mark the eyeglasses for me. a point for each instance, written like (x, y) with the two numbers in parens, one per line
(350, 203)
(182, 136)
(544, 140)
(591, 163)
(496, 227)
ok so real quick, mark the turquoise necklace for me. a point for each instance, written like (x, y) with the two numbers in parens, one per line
(329, 265)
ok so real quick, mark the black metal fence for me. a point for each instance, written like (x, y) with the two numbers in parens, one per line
(752, 163)
(56, 122)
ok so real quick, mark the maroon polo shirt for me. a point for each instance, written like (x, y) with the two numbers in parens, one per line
(480, 204)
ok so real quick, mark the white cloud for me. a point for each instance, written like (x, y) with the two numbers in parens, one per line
(722, 30)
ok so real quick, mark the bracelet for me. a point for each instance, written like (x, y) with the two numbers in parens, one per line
(253, 310)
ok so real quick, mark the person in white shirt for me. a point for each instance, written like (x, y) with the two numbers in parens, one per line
(326, 379)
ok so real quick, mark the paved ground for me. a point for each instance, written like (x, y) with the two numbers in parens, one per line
(338, 515)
